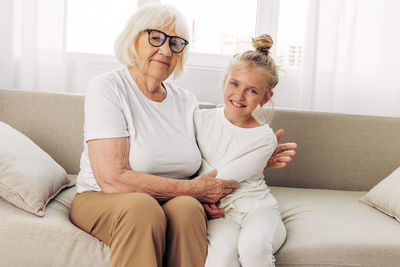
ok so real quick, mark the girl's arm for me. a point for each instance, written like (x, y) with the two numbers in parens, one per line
(248, 164)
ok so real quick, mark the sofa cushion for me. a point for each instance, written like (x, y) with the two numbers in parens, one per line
(385, 196)
(51, 240)
(29, 177)
(333, 228)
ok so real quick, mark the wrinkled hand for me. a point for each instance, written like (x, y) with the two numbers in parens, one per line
(282, 154)
(209, 189)
(212, 211)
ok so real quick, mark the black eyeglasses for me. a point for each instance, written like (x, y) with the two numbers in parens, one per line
(158, 38)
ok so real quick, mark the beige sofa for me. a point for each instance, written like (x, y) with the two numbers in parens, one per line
(339, 158)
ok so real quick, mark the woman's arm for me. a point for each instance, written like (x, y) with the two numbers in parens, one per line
(109, 159)
(282, 154)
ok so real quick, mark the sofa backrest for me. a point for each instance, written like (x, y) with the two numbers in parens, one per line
(54, 121)
(336, 151)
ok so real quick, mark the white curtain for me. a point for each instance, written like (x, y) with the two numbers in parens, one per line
(352, 57)
(32, 47)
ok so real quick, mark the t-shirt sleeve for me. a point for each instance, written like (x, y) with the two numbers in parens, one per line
(248, 164)
(104, 114)
(196, 118)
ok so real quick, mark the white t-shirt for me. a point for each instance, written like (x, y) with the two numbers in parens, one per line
(239, 154)
(161, 134)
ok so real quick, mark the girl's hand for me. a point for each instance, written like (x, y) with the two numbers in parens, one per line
(282, 154)
(212, 211)
(208, 189)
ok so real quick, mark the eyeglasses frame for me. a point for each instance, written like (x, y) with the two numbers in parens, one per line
(167, 36)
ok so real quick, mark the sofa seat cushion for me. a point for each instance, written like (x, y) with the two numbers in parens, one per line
(51, 240)
(333, 228)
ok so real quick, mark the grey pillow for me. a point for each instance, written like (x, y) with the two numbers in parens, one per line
(29, 177)
(385, 196)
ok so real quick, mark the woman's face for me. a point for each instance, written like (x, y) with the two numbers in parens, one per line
(155, 62)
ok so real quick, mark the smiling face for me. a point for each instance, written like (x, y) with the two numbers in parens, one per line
(244, 88)
(155, 62)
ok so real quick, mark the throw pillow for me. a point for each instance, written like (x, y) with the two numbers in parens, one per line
(385, 196)
(29, 177)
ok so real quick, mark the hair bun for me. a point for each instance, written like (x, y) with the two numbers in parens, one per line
(263, 43)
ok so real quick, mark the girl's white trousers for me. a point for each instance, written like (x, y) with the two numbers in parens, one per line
(248, 240)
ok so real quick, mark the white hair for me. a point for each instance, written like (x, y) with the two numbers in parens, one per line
(151, 16)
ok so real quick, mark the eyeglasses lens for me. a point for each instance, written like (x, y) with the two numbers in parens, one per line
(176, 44)
(157, 38)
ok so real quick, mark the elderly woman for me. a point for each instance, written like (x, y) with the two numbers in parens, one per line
(139, 151)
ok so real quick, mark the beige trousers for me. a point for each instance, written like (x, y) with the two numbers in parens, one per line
(143, 232)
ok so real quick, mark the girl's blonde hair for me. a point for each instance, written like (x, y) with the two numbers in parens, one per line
(151, 16)
(259, 58)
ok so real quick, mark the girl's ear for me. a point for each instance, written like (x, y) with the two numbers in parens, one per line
(223, 83)
(267, 97)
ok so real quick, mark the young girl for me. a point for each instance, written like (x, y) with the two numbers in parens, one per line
(232, 141)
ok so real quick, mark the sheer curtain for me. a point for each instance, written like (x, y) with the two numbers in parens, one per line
(32, 44)
(352, 57)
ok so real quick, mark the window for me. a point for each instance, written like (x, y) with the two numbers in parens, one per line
(291, 33)
(219, 27)
(216, 26)
(93, 25)
(223, 27)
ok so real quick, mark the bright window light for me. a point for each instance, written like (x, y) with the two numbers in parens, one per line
(219, 27)
(93, 25)
(291, 32)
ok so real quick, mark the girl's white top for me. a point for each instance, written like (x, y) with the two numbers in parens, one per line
(239, 154)
(161, 134)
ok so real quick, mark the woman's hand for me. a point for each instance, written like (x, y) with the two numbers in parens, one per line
(209, 189)
(212, 211)
(282, 154)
